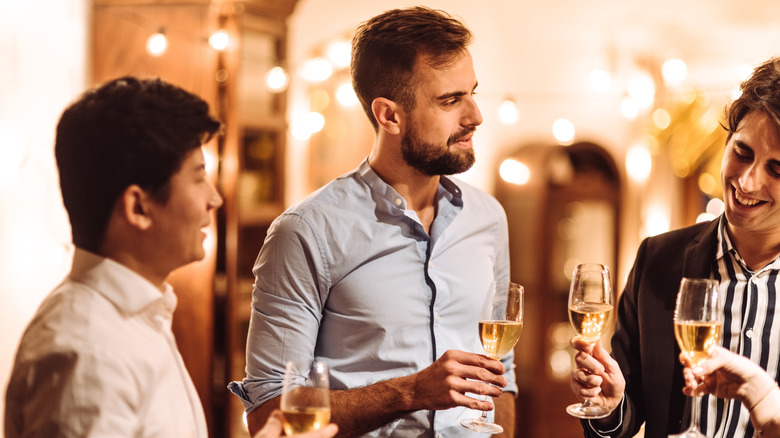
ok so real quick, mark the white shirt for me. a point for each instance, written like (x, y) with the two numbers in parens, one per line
(99, 359)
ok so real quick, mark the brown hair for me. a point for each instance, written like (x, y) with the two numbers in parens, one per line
(761, 91)
(386, 47)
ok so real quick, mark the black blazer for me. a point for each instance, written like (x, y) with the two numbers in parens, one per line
(644, 343)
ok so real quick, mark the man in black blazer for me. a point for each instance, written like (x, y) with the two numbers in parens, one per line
(642, 381)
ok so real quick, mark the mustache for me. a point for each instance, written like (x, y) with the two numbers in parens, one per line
(454, 138)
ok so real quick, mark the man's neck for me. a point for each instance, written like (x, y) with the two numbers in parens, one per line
(757, 250)
(418, 189)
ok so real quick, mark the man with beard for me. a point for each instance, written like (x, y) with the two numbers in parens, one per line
(382, 272)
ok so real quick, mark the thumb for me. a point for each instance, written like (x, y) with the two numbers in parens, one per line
(272, 427)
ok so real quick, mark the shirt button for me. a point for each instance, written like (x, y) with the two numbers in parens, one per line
(438, 317)
(430, 265)
(398, 202)
(749, 333)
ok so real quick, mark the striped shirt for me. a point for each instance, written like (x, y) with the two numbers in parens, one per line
(751, 328)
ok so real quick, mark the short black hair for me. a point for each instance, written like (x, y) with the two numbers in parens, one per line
(127, 131)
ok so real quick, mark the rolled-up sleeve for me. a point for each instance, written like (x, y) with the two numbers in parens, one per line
(287, 306)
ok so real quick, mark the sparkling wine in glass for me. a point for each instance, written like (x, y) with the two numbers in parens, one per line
(590, 311)
(500, 325)
(698, 322)
(305, 402)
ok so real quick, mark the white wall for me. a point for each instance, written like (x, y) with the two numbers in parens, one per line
(43, 52)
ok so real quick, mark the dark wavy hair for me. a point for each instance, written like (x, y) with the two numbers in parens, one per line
(127, 131)
(761, 91)
(385, 48)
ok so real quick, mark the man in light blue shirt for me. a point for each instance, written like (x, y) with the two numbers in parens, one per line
(382, 272)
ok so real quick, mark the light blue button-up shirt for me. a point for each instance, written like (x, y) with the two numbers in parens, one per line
(350, 277)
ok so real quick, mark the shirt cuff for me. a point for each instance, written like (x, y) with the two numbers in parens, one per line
(607, 433)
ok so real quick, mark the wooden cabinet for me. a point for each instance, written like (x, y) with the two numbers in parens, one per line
(214, 295)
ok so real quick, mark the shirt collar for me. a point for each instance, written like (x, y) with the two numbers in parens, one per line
(391, 202)
(725, 246)
(126, 289)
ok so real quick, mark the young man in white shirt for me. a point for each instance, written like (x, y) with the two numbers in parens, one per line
(99, 357)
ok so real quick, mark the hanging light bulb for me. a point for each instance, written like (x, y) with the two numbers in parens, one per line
(219, 40)
(507, 112)
(277, 79)
(345, 94)
(600, 79)
(674, 71)
(316, 70)
(563, 131)
(157, 43)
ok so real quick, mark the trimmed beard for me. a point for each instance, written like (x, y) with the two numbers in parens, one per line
(433, 160)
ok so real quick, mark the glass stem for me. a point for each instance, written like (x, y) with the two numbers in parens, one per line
(694, 413)
(484, 413)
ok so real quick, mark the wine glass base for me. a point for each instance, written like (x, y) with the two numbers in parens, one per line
(480, 425)
(587, 412)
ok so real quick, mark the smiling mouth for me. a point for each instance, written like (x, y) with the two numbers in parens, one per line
(746, 202)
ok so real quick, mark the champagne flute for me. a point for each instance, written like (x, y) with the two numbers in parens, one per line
(590, 309)
(698, 321)
(500, 325)
(305, 402)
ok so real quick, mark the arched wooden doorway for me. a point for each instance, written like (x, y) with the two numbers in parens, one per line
(562, 210)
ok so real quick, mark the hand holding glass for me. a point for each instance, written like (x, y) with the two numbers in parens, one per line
(500, 325)
(590, 308)
(698, 321)
(305, 403)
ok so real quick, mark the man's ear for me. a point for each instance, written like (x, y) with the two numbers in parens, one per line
(134, 205)
(389, 115)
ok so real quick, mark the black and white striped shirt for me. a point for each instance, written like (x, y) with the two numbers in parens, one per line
(751, 328)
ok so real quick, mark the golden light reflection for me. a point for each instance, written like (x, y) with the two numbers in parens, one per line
(514, 172)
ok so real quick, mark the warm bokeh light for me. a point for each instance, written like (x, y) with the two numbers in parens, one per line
(507, 112)
(514, 172)
(277, 79)
(674, 71)
(641, 88)
(314, 122)
(563, 131)
(639, 163)
(346, 96)
(656, 223)
(745, 70)
(339, 53)
(219, 40)
(661, 118)
(319, 100)
(316, 70)
(600, 79)
(708, 183)
(629, 108)
(156, 44)
(715, 206)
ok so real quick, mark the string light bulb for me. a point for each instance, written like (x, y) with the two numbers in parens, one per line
(157, 43)
(563, 131)
(219, 40)
(277, 79)
(507, 111)
(346, 96)
(674, 71)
